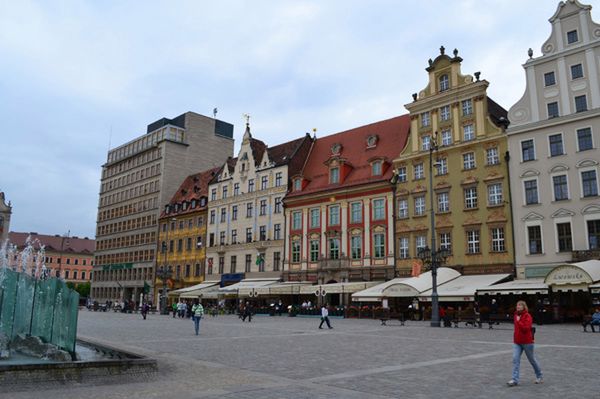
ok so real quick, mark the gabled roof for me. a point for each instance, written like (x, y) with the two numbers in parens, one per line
(193, 187)
(392, 135)
(497, 114)
(84, 246)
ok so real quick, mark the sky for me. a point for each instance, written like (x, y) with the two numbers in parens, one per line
(80, 77)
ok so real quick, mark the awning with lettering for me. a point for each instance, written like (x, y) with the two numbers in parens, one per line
(285, 288)
(337, 288)
(195, 287)
(375, 293)
(463, 288)
(248, 287)
(517, 287)
(574, 276)
(199, 290)
(595, 288)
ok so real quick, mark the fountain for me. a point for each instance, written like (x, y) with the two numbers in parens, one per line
(38, 327)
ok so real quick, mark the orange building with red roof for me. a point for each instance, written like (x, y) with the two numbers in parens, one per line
(339, 214)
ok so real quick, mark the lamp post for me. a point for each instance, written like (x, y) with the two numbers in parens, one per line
(165, 272)
(433, 257)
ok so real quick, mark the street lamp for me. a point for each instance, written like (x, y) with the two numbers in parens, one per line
(433, 257)
(164, 273)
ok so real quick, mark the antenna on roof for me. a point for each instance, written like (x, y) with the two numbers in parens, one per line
(215, 110)
(314, 133)
(109, 137)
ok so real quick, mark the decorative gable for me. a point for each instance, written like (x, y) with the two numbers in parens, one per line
(530, 173)
(593, 208)
(532, 216)
(587, 162)
(561, 213)
(558, 168)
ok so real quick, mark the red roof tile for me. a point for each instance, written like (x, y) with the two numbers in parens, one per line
(53, 243)
(193, 187)
(392, 135)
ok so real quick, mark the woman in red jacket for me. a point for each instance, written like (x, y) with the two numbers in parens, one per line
(523, 342)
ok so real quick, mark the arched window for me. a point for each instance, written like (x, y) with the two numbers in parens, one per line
(444, 82)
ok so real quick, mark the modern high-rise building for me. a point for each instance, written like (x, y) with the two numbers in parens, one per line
(553, 137)
(138, 179)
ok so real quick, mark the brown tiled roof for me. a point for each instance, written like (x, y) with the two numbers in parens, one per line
(258, 149)
(392, 136)
(84, 246)
(498, 115)
(193, 187)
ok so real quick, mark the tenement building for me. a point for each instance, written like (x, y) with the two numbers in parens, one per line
(245, 218)
(70, 258)
(5, 212)
(339, 214)
(182, 234)
(457, 138)
(553, 138)
(138, 179)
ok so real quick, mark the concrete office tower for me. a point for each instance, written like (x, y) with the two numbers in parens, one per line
(138, 179)
(553, 140)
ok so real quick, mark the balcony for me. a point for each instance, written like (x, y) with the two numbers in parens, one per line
(588, 254)
(333, 264)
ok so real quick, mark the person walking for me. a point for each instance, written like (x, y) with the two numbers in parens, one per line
(145, 308)
(325, 317)
(523, 342)
(197, 314)
(248, 312)
(174, 306)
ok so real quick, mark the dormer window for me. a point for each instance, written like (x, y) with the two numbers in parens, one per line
(297, 184)
(167, 209)
(334, 175)
(376, 168)
(572, 37)
(444, 83)
(184, 205)
(193, 203)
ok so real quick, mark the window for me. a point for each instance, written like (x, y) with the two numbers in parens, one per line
(213, 194)
(443, 200)
(197, 270)
(419, 205)
(276, 261)
(356, 247)
(445, 113)
(527, 150)
(420, 243)
(473, 241)
(83, 275)
(469, 161)
(498, 239)
(264, 180)
(419, 171)
(296, 220)
(75, 275)
(589, 183)
(491, 156)
(233, 264)
(223, 215)
(188, 245)
(278, 178)
(572, 37)
(263, 208)
(314, 250)
(221, 264)
(295, 251)
(531, 192)
(580, 103)
(236, 189)
(534, 236)
(446, 137)
(277, 231)
(262, 233)
(334, 248)
(250, 185)
(402, 176)
(379, 245)
(495, 194)
(425, 119)
(584, 139)
(593, 234)
(248, 234)
(467, 107)
(315, 218)
(297, 184)
(224, 192)
(179, 247)
(212, 217)
(222, 238)
(403, 248)
(549, 79)
(66, 274)
(442, 166)
(444, 83)
(277, 205)
(468, 132)
(234, 236)
(211, 240)
(565, 241)
(234, 212)
(248, 263)
(334, 175)
(470, 197)
(356, 212)
(249, 210)
(561, 191)
(556, 145)
(552, 110)
(402, 208)
(446, 241)
(425, 143)
(576, 71)
(334, 215)
(378, 209)
(376, 168)
(210, 266)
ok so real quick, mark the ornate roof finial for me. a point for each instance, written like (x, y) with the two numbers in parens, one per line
(247, 133)
(314, 133)
(430, 61)
(247, 117)
(530, 53)
(477, 74)
(442, 50)
(455, 52)
(414, 96)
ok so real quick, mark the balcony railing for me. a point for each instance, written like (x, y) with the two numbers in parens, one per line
(333, 264)
(588, 254)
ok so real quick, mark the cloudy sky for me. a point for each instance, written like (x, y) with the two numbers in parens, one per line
(72, 72)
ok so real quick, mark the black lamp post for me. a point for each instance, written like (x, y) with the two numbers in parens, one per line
(164, 273)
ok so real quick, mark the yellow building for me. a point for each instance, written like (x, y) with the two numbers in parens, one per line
(182, 234)
(464, 129)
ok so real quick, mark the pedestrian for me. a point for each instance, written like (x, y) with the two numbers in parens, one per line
(174, 307)
(247, 312)
(523, 342)
(595, 320)
(325, 317)
(144, 310)
(197, 313)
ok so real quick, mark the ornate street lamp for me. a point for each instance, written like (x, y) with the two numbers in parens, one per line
(164, 273)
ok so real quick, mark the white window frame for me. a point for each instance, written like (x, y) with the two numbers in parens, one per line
(381, 209)
(586, 219)
(444, 82)
(445, 113)
(475, 197)
(425, 119)
(358, 205)
(379, 245)
(356, 239)
(330, 214)
(469, 164)
(537, 189)
(296, 220)
(446, 241)
(402, 174)
(442, 167)
(495, 198)
(548, 116)
(497, 240)
(496, 157)
(563, 220)
(295, 258)
(420, 205)
(476, 242)
(544, 77)
(446, 137)
(588, 169)
(552, 176)
(567, 37)
(587, 104)
(404, 202)
(334, 178)
(472, 134)
(583, 74)
(467, 105)
(577, 137)
(562, 140)
(521, 150)
(420, 242)
(527, 226)
(425, 142)
(443, 205)
(315, 211)
(403, 248)
(422, 174)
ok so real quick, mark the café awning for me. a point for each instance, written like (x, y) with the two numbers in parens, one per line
(248, 286)
(337, 288)
(192, 288)
(595, 288)
(285, 288)
(517, 287)
(199, 290)
(574, 276)
(463, 288)
(375, 293)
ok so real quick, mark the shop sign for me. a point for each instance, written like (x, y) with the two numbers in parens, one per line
(567, 275)
(118, 266)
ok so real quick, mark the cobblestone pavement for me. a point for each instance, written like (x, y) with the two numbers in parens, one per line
(283, 357)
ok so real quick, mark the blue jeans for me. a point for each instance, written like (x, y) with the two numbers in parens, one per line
(518, 349)
(196, 323)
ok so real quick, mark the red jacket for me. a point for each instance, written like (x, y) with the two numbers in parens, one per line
(523, 333)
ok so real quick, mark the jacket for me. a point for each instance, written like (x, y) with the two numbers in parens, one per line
(523, 334)
(198, 310)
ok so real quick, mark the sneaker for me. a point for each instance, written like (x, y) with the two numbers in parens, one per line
(539, 380)
(512, 383)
